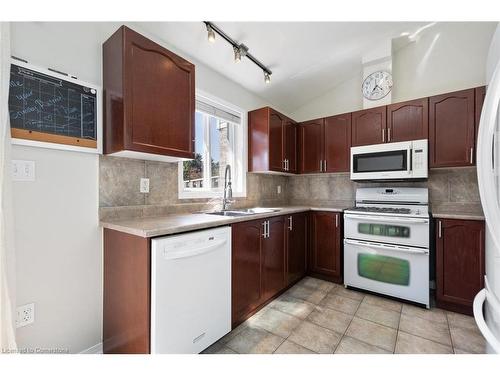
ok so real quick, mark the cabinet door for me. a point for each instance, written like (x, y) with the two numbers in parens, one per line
(276, 138)
(291, 145)
(480, 93)
(459, 263)
(338, 143)
(408, 121)
(159, 94)
(368, 126)
(311, 146)
(296, 245)
(325, 245)
(451, 129)
(273, 258)
(246, 268)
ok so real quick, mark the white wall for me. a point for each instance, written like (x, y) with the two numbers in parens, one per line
(59, 255)
(444, 58)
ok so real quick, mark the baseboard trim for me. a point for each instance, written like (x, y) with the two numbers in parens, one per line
(96, 349)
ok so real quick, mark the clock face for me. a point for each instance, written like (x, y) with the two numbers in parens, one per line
(377, 85)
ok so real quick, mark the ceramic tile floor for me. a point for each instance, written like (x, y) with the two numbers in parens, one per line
(317, 316)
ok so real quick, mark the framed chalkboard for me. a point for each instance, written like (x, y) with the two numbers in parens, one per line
(51, 109)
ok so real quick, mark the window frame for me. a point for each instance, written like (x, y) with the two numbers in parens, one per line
(240, 155)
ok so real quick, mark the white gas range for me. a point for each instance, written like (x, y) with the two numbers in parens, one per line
(386, 243)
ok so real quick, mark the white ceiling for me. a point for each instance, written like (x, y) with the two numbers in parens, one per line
(307, 58)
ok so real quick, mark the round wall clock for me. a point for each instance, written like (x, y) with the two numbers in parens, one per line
(377, 85)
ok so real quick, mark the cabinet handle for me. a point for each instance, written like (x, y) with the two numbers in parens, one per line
(388, 134)
(321, 165)
(383, 135)
(286, 165)
(439, 229)
(336, 220)
(266, 229)
(290, 220)
(472, 155)
(325, 165)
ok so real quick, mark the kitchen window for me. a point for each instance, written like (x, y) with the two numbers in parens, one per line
(220, 139)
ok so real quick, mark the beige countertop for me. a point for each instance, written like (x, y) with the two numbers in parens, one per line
(178, 223)
(458, 215)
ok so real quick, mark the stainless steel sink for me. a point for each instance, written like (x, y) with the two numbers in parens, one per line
(243, 212)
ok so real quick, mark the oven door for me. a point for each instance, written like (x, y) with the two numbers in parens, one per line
(397, 271)
(381, 162)
(406, 231)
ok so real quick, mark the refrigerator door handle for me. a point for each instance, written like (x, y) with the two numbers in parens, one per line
(479, 300)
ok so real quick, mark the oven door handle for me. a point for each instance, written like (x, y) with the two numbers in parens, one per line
(387, 219)
(403, 249)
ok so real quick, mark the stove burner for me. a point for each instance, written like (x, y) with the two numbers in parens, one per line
(389, 210)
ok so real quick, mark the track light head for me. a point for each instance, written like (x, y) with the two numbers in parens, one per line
(267, 77)
(239, 52)
(210, 34)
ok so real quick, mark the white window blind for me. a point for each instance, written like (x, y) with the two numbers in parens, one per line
(218, 111)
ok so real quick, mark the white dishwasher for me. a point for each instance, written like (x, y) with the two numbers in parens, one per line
(190, 290)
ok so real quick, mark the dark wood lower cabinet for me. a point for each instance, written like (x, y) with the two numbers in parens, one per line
(326, 245)
(246, 268)
(126, 302)
(273, 258)
(459, 263)
(296, 247)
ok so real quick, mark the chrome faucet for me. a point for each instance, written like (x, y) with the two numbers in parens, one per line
(228, 191)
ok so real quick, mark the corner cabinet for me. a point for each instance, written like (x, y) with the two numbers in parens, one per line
(272, 142)
(149, 99)
(326, 245)
(459, 263)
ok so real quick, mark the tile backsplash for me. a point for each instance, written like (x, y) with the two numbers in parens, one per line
(119, 194)
(450, 189)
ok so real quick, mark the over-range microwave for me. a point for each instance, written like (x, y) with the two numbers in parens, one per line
(390, 161)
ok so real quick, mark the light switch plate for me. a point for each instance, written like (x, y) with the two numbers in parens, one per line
(23, 170)
(144, 185)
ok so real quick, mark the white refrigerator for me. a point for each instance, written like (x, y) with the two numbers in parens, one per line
(487, 301)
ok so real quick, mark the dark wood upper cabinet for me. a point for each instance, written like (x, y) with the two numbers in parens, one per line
(272, 141)
(311, 146)
(459, 263)
(408, 121)
(291, 145)
(337, 147)
(369, 126)
(451, 129)
(480, 93)
(296, 246)
(246, 268)
(276, 144)
(273, 258)
(149, 97)
(325, 242)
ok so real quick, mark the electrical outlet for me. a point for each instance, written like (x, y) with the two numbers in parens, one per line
(279, 189)
(144, 186)
(25, 315)
(23, 170)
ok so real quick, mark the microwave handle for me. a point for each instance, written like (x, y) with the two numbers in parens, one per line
(410, 152)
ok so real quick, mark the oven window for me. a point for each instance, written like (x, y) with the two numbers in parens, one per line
(386, 230)
(380, 161)
(383, 268)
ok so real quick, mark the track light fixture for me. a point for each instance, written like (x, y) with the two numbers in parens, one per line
(210, 34)
(240, 50)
